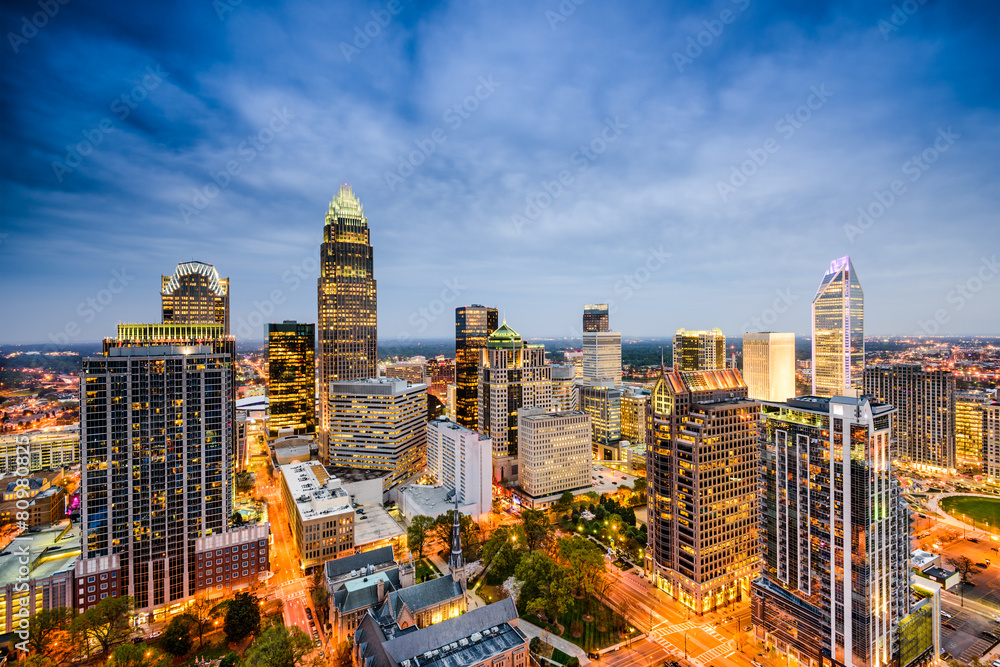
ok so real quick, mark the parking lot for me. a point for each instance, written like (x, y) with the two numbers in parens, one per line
(607, 480)
(962, 634)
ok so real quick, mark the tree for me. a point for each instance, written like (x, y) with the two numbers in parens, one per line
(341, 656)
(416, 534)
(201, 614)
(320, 595)
(47, 631)
(279, 646)
(535, 645)
(109, 623)
(585, 564)
(500, 553)
(444, 524)
(536, 526)
(564, 502)
(137, 655)
(544, 586)
(965, 566)
(242, 617)
(640, 486)
(176, 638)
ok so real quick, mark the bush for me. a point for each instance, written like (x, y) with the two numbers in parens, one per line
(573, 662)
(535, 645)
(177, 637)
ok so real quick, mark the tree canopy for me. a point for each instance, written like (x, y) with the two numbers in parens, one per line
(242, 617)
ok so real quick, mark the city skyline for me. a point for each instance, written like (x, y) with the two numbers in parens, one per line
(695, 156)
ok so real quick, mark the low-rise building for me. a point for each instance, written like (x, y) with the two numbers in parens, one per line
(39, 450)
(48, 557)
(37, 497)
(233, 560)
(322, 520)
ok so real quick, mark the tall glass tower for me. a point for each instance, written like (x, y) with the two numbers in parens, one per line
(473, 326)
(195, 294)
(838, 331)
(291, 352)
(348, 348)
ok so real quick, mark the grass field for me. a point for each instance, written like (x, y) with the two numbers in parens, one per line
(985, 512)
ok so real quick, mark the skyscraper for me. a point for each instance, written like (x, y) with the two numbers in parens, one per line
(563, 387)
(195, 294)
(635, 406)
(291, 381)
(969, 428)
(462, 460)
(512, 376)
(603, 402)
(473, 326)
(348, 345)
(602, 356)
(553, 452)
(699, 350)
(838, 331)
(991, 441)
(595, 317)
(924, 425)
(769, 365)
(701, 471)
(834, 532)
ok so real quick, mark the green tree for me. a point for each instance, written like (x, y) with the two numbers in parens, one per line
(109, 623)
(319, 595)
(536, 526)
(202, 614)
(467, 527)
(230, 660)
(501, 554)
(278, 646)
(416, 534)
(242, 617)
(584, 562)
(176, 638)
(564, 502)
(48, 631)
(544, 586)
(137, 655)
(640, 488)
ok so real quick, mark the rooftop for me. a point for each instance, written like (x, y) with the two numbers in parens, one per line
(433, 501)
(341, 567)
(52, 550)
(316, 493)
(377, 525)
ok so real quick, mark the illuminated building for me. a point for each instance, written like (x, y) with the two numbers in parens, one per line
(379, 424)
(699, 350)
(44, 450)
(769, 365)
(602, 356)
(461, 460)
(512, 376)
(924, 426)
(563, 387)
(553, 451)
(595, 317)
(635, 407)
(838, 331)
(322, 521)
(473, 326)
(195, 294)
(834, 532)
(991, 442)
(701, 472)
(440, 374)
(411, 371)
(969, 428)
(291, 386)
(603, 402)
(575, 358)
(348, 346)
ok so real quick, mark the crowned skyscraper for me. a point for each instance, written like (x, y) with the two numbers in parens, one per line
(347, 326)
(838, 331)
(195, 294)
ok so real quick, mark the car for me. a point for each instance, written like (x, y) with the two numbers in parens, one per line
(983, 565)
(593, 655)
(321, 654)
(945, 614)
(949, 626)
(973, 539)
(360, 511)
(989, 635)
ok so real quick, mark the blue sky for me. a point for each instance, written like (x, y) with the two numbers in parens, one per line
(698, 165)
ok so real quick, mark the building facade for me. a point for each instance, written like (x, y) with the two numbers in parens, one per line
(563, 387)
(38, 450)
(291, 376)
(195, 294)
(635, 407)
(602, 356)
(347, 335)
(834, 532)
(769, 365)
(440, 374)
(924, 425)
(553, 451)
(413, 372)
(320, 513)
(603, 402)
(699, 350)
(701, 482)
(969, 428)
(991, 442)
(461, 459)
(838, 331)
(473, 326)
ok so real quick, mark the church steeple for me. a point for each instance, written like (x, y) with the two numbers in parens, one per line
(456, 562)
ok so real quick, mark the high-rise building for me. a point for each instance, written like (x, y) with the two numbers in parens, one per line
(195, 294)
(512, 376)
(602, 356)
(699, 350)
(595, 317)
(473, 326)
(379, 424)
(838, 331)
(348, 345)
(553, 451)
(603, 402)
(969, 428)
(563, 387)
(576, 359)
(769, 365)
(834, 531)
(924, 424)
(991, 442)
(701, 472)
(440, 374)
(413, 372)
(291, 381)
(635, 407)
(320, 513)
(462, 460)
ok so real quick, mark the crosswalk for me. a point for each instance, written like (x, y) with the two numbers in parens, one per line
(725, 648)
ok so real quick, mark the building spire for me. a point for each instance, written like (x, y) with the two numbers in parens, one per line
(456, 561)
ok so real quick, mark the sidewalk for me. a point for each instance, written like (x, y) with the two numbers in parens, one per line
(531, 630)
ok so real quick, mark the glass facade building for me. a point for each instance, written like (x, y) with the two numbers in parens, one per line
(969, 428)
(195, 294)
(291, 376)
(838, 331)
(699, 350)
(473, 326)
(595, 317)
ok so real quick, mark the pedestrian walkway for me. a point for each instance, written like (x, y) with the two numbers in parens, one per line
(569, 648)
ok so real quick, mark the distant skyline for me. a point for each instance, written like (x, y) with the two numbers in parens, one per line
(695, 165)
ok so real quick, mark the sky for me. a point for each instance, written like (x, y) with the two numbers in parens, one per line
(695, 165)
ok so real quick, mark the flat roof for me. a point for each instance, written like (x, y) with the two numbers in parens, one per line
(433, 501)
(315, 492)
(52, 550)
(377, 526)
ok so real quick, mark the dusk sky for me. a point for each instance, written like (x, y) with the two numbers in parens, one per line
(698, 165)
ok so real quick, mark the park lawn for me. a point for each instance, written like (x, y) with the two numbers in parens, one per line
(984, 512)
(426, 570)
(591, 639)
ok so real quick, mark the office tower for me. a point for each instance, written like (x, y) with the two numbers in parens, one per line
(413, 372)
(473, 326)
(575, 358)
(512, 376)
(701, 472)
(291, 384)
(969, 428)
(553, 451)
(595, 317)
(991, 442)
(769, 365)
(924, 424)
(838, 331)
(699, 350)
(563, 387)
(462, 460)
(635, 407)
(834, 532)
(381, 424)
(195, 294)
(348, 346)
(603, 402)
(440, 374)
(602, 356)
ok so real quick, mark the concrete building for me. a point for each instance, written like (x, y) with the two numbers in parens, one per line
(195, 294)
(576, 359)
(461, 460)
(595, 317)
(924, 425)
(49, 558)
(38, 497)
(563, 387)
(699, 350)
(602, 356)
(603, 402)
(39, 450)
(440, 374)
(322, 521)
(413, 372)
(834, 531)
(838, 331)
(991, 442)
(378, 423)
(553, 451)
(769, 365)
(701, 480)
(969, 428)
(634, 410)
